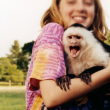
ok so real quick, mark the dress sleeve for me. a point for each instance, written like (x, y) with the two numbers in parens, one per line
(47, 55)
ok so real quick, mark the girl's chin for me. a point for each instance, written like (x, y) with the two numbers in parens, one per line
(82, 23)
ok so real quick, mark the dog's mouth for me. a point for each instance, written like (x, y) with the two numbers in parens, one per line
(74, 51)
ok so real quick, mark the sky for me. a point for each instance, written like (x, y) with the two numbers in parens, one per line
(20, 20)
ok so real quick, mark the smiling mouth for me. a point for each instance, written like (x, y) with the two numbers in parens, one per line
(79, 19)
(74, 51)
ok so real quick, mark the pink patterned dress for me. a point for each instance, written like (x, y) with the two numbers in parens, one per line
(47, 62)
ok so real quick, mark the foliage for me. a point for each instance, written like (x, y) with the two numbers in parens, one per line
(4, 63)
(15, 66)
(27, 48)
(25, 56)
(15, 49)
(23, 62)
(9, 71)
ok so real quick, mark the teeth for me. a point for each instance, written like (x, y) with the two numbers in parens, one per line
(78, 18)
(71, 47)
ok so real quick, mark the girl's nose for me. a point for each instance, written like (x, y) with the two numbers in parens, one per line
(80, 6)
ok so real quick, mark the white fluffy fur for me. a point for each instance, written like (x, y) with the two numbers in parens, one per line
(92, 52)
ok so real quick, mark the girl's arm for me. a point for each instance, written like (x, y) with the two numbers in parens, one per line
(53, 95)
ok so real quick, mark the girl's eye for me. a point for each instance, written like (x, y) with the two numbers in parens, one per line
(88, 2)
(70, 37)
(71, 1)
(78, 37)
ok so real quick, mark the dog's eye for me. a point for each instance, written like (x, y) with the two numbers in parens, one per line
(70, 37)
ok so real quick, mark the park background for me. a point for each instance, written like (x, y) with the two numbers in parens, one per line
(19, 28)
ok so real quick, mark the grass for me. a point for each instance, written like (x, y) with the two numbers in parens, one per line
(12, 98)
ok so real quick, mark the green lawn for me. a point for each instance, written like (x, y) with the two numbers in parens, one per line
(12, 100)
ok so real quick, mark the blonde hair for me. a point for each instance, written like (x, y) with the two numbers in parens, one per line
(99, 26)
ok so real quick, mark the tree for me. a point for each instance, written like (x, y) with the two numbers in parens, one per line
(9, 71)
(20, 58)
(27, 48)
(1, 71)
(4, 63)
(25, 56)
(23, 62)
(15, 49)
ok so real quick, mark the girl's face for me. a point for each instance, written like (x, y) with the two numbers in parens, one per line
(77, 11)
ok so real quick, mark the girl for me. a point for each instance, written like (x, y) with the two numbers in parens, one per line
(47, 60)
